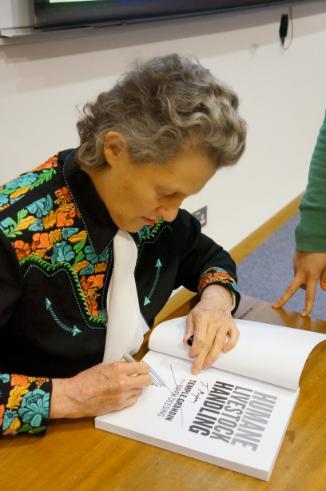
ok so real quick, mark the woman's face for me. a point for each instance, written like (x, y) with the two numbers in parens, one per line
(139, 194)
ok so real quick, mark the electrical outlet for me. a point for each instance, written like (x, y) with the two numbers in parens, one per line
(201, 215)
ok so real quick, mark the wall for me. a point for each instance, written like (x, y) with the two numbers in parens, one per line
(283, 96)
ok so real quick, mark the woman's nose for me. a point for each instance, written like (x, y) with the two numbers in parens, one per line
(168, 213)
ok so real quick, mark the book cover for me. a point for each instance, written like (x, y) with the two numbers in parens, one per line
(234, 414)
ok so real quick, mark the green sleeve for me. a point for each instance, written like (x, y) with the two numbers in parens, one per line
(310, 234)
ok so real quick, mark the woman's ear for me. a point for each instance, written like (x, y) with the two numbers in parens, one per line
(114, 147)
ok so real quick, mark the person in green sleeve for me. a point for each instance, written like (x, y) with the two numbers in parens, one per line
(309, 260)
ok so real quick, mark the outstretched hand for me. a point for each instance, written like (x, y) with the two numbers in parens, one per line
(213, 329)
(309, 268)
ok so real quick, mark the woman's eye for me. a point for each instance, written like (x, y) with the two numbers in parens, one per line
(162, 194)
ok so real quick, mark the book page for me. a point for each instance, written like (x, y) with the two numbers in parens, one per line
(215, 416)
(273, 354)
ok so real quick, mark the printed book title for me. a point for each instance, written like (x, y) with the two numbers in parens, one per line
(229, 413)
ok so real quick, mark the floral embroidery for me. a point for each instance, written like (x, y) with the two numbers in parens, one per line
(16, 396)
(17, 188)
(49, 164)
(216, 276)
(40, 241)
(65, 215)
(149, 232)
(49, 233)
(63, 196)
(91, 285)
(9, 418)
(62, 252)
(19, 379)
(4, 377)
(41, 207)
(12, 228)
(3, 200)
(22, 181)
(22, 248)
(35, 406)
(25, 405)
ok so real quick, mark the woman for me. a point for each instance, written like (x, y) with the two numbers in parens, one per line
(157, 137)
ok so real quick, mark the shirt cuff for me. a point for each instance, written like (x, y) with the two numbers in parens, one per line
(219, 276)
(24, 404)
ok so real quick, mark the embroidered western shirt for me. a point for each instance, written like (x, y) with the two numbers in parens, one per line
(55, 267)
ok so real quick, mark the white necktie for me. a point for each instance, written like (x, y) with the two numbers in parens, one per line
(124, 333)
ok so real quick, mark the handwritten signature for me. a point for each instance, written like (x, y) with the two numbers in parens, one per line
(201, 391)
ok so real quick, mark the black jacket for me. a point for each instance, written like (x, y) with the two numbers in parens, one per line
(56, 263)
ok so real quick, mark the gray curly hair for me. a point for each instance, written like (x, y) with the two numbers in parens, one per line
(162, 107)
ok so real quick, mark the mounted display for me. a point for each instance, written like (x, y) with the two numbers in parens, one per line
(53, 14)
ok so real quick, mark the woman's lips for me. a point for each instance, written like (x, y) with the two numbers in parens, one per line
(149, 220)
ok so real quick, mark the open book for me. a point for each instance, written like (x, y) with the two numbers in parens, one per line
(234, 414)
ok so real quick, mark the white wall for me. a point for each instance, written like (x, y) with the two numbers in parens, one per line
(283, 96)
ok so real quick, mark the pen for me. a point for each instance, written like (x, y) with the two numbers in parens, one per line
(155, 376)
(190, 340)
(129, 358)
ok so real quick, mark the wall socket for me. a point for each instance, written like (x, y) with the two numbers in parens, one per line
(201, 215)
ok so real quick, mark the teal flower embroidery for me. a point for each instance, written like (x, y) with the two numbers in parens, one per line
(41, 207)
(93, 258)
(37, 226)
(34, 407)
(62, 252)
(4, 377)
(3, 199)
(12, 228)
(105, 255)
(7, 223)
(144, 232)
(22, 181)
(88, 270)
(149, 232)
(9, 416)
(91, 255)
(68, 231)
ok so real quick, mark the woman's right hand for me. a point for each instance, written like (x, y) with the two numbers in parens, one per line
(309, 268)
(100, 389)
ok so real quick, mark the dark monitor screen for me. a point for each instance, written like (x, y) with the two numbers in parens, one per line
(80, 13)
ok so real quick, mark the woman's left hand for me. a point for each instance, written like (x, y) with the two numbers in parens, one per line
(211, 324)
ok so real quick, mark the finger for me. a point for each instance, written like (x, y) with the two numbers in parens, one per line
(116, 397)
(205, 347)
(199, 336)
(142, 368)
(323, 280)
(127, 368)
(216, 349)
(289, 292)
(131, 400)
(232, 338)
(199, 362)
(125, 386)
(310, 297)
(138, 382)
(190, 328)
(121, 403)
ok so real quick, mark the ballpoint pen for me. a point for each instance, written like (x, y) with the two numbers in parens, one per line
(155, 376)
